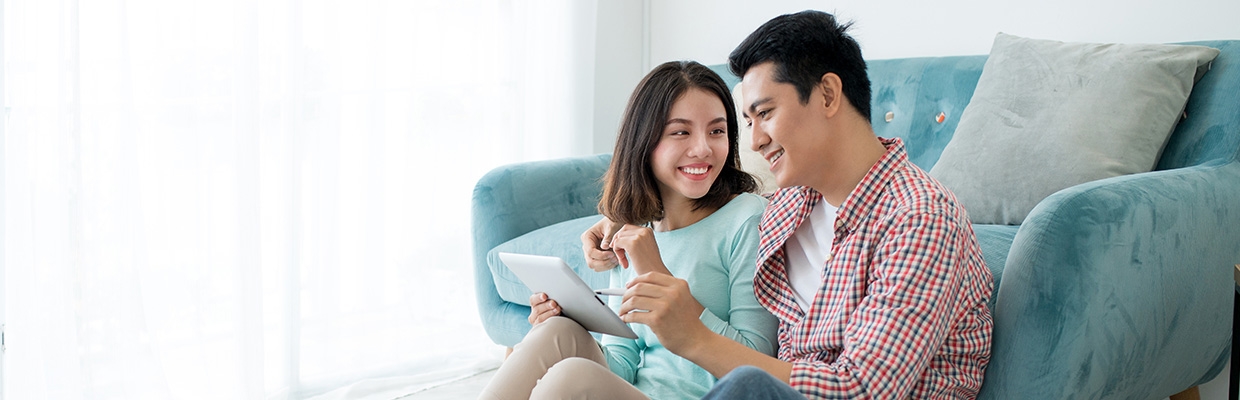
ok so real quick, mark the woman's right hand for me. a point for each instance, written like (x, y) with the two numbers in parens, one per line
(542, 308)
(596, 244)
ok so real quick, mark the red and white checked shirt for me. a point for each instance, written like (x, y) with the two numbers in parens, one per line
(902, 308)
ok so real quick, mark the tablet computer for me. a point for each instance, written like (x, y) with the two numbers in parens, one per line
(551, 275)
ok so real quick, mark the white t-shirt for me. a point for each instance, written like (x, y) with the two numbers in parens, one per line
(807, 251)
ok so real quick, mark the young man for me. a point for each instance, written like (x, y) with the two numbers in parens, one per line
(870, 265)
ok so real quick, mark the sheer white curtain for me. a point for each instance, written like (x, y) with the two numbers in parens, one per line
(265, 199)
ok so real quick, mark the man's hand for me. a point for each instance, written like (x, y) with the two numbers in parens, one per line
(596, 244)
(663, 303)
(542, 308)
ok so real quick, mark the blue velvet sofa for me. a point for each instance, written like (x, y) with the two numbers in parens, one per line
(1118, 288)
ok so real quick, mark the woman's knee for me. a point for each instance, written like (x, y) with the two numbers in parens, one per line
(557, 331)
(558, 336)
(571, 377)
(557, 327)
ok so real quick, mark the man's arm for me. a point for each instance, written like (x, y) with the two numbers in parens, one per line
(667, 307)
(596, 245)
(719, 356)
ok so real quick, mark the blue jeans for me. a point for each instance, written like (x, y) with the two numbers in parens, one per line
(752, 383)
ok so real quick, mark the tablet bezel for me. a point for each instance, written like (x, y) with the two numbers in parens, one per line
(553, 276)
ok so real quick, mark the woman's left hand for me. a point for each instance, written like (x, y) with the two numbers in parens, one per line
(635, 247)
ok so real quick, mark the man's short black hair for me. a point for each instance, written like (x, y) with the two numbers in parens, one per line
(804, 47)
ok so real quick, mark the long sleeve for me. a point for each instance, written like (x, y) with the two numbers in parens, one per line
(901, 311)
(717, 257)
(912, 294)
(624, 355)
(748, 323)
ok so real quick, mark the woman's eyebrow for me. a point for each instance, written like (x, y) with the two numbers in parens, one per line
(687, 122)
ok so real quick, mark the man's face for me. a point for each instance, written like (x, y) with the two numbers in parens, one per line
(787, 133)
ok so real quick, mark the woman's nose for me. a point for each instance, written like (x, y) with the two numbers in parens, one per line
(700, 146)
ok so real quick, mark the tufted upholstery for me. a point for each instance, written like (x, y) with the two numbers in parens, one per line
(1118, 288)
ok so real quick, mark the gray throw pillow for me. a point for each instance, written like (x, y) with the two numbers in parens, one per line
(1048, 115)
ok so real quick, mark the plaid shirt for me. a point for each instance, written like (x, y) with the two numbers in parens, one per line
(902, 309)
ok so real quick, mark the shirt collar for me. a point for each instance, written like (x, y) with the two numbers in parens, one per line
(861, 200)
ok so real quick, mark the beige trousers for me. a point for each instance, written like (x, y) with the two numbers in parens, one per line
(558, 359)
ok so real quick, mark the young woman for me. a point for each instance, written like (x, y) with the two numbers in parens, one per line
(687, 211)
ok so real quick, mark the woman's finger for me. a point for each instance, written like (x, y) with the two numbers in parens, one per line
(544, 311)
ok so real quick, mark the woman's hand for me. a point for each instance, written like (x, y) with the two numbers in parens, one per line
(542, 308)
(635, 247)
(664, 303)
(596, 243)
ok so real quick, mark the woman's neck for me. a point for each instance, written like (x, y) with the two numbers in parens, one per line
(679, 213)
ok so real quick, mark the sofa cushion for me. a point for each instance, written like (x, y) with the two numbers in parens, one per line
(996, 242)
(560, 240)
(1048, 115)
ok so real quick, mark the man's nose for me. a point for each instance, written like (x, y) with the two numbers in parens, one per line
(758, 138)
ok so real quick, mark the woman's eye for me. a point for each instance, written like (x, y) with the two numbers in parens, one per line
(718, 132)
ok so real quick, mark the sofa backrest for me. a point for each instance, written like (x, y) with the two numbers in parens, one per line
(1211, 132)
(916, 90)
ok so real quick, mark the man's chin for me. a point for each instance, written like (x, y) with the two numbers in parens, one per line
(783, 182)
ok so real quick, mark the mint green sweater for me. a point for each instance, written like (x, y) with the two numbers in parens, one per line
(717, 256)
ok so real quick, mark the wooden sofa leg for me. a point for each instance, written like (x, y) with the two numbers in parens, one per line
(1188, 394)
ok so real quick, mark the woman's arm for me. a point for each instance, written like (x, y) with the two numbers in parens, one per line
(748, 322)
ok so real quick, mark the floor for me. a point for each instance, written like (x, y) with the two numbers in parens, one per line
(469, 388)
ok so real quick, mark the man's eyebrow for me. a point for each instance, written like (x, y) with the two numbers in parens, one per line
(753, 108)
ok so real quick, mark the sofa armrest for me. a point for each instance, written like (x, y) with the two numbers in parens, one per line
(1120, 288)
(512, 200)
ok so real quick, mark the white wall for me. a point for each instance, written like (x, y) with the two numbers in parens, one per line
(707, 30)
(617, 66)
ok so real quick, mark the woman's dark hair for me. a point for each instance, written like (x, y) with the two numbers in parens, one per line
(630, 190)
(804, 47)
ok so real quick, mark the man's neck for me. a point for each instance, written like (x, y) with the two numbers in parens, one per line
(859, 150)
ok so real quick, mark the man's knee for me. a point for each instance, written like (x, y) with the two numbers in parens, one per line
(747, 374)
(747, 382)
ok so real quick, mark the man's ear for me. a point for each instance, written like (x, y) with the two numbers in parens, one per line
(831, 88)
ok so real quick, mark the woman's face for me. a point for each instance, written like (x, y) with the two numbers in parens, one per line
(693, 147)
